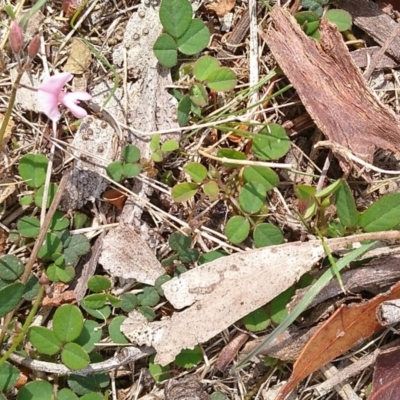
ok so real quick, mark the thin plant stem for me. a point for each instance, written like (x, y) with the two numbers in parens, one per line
(10, 107)
(20, 337)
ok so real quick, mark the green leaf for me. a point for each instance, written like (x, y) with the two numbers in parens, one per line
(28, 227)
(198, 94)
(263, 175)
(95, 301)
(129, 301)
(165, 49)
(204, 66)
(237, 229)
(170, 145)
(211, 256)
(219, 396)
(36, 390)
(184, 108)
(189, 358)
(131, 154)
(59, 221)
(175, 16)
(211, 189)
(158, 372)
(80, 220)
(304, 17)
(278, 305)
(39, 195)
(115, 332)
(383, 215)
(90, 335)
(195, 39)
(32, 287)
(341, 18)
(177, 241)
(66, 394)
(92, 396)
(184, 191)
(60, 273)
(8, 376)
(131, 170)
(252, 197)
(231, 154)
(32, 169)
(329, 190)
(346, 206)
(305, 192)
(75, 246)
(115, 171)
(149, 297)
(147, 312)
(271, 143)
(67, 322)
(159, 282)
(114, 300)
(26, 200)
(10, 296)
(82, 385)
(74, 356)
(257, 320)
(51, 245)
(102, 313)
(155, 142)
(11, 268)
(45, 340)
(157, 156)
(267, 235)
(188, 256)
(98, 283)
(222, 79)
(196, 171)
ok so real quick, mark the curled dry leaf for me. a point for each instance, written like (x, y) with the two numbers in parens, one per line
(221, 7)
(349, 325)
(229, 352)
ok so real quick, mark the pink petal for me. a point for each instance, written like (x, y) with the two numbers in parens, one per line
(71, 100)
(55, 83)
(48, 103)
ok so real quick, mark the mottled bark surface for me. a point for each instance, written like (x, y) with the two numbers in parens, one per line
(332, 88)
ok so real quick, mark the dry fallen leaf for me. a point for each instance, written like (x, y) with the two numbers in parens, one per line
(125, 254)
(80, 57)
(349, 325)
(223, 291)
(221, 7)
(386, 380)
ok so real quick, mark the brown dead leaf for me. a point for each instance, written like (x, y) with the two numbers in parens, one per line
(348, 326)
(386, 380)
(229, 352)
(59, 295)
(115, 197)
(221, 7)
(80, 57)
(332, 88)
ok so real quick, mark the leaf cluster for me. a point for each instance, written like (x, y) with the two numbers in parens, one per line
(128, 167)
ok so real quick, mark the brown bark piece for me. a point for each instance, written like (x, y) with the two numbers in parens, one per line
(372, 20)
(331, 87)
(348, 326)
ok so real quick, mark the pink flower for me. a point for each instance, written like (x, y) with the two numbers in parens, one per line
(50, 94)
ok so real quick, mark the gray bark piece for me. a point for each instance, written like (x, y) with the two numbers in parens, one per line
(127, 256)
(95, 145)
(150, 107)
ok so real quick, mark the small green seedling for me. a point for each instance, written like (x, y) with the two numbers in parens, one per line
(180, 244)
(160, 150)
(182, 32)
(128, 168)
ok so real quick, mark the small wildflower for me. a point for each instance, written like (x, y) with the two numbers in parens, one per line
(50, 94)
(16, 37)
